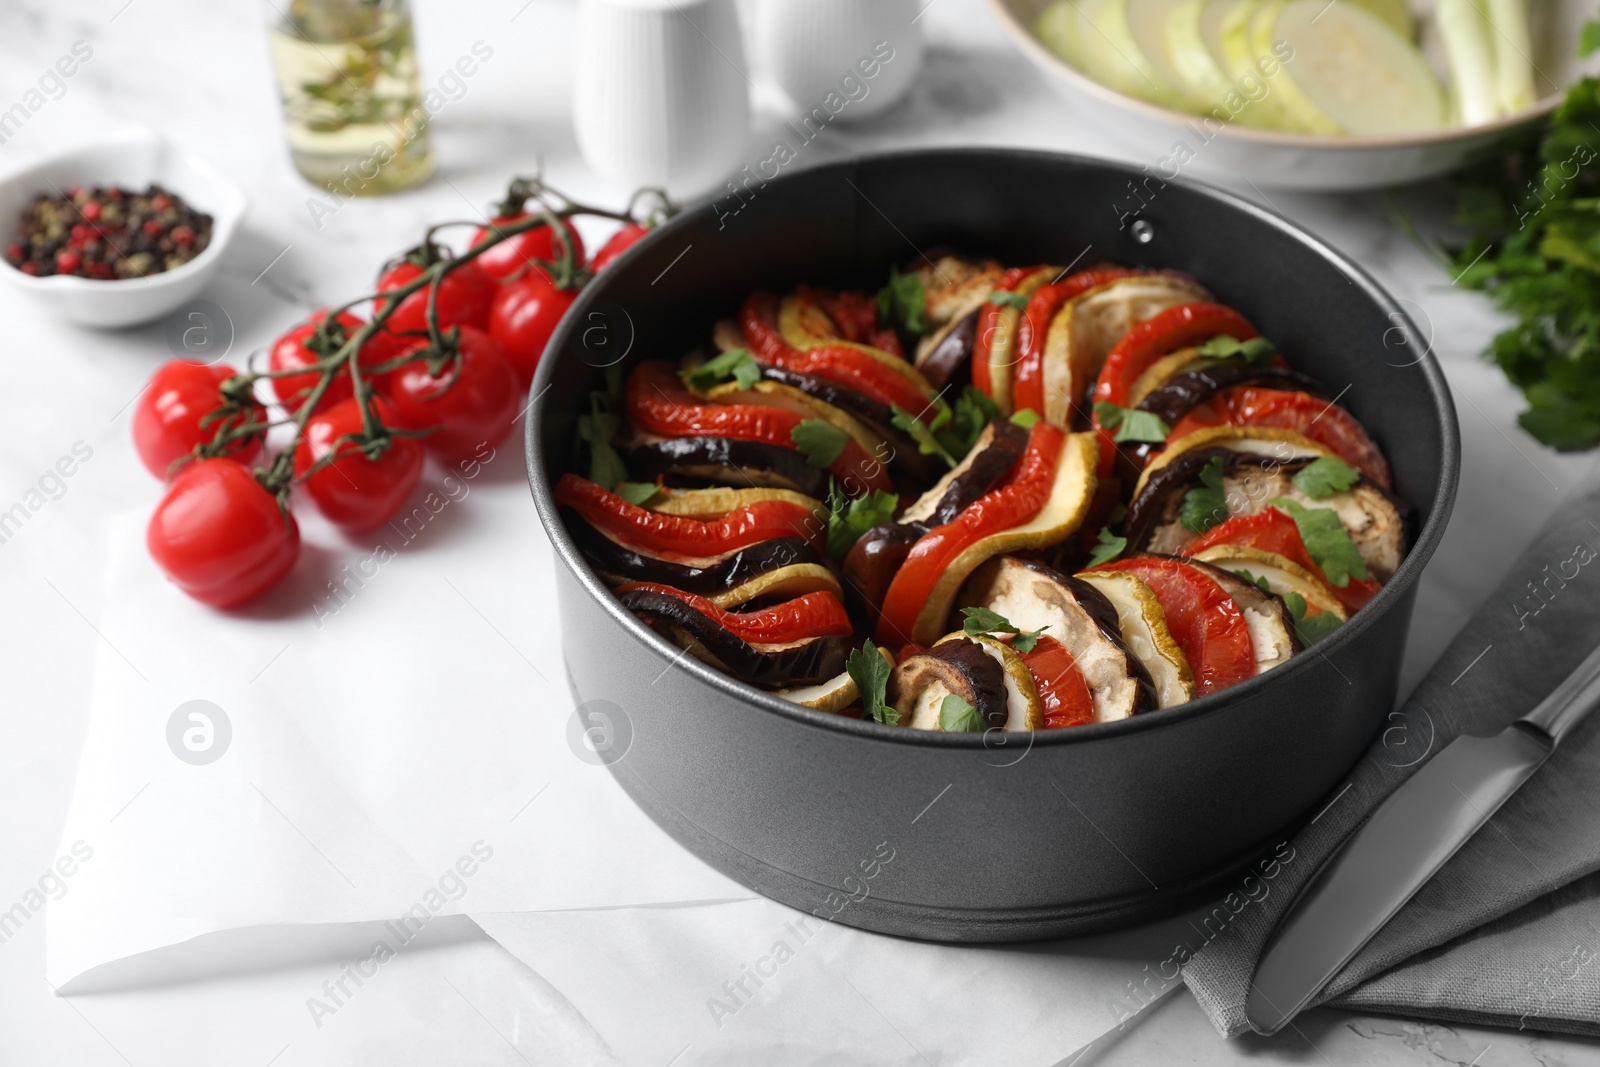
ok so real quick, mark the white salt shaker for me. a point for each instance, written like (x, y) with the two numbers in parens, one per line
(852, 57)
(661, 94)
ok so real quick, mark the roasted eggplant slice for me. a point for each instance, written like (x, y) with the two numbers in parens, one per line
(958, 666)
(836, 694)
(1144, 632)
(1272, 633)
(1182, 392)
(1034, 597)
(1086, 328)
(944, 357)
(769, 665)
(722, 461)
(1275, 446)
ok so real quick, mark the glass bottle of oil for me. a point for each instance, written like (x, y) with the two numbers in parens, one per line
(352, 105)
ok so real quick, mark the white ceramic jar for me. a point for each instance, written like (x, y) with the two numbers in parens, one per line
(864, 52)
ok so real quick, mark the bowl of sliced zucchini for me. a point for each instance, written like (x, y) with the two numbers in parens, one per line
(1309, 94)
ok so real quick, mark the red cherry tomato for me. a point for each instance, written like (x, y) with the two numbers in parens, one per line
(464, 296)
(619, 243)
(290, 352)
(1063, 690)
(353, 491)
(166, 422)
(1204, 620)
(219, 536)
(514, 256)
(475, 409)
(523, 317)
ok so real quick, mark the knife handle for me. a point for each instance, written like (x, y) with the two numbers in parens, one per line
(1570, 701)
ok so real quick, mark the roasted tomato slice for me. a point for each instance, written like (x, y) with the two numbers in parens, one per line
(1324, 422)
(1027, 376)
(818, 614)
(1015, 501)
(1271, 530)
(657, 403)
(851, 367)
(1205, 622)
(677, 535)
(1063, 690)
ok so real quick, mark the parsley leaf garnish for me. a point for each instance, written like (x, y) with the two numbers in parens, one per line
(1311, 628)
(848, 521)
(820, 442)
(1131, 424)
(1025, 418)
(734, 363)
(956, 716)
(1009, 299)
(971, 412)
(902, 301)
(638, 492)
(1325, 476)
(1327, 541)
(870, 671)
(984, 621)
(923, 434)
(1110, 547)
(598, 427)
(1257, 350)
(1255, 580)
(1206, 504)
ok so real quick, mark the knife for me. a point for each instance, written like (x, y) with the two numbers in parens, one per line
(1403, 843)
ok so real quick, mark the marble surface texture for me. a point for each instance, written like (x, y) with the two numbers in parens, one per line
(199, 73)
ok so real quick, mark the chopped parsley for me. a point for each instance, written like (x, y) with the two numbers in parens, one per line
(1325, 476)
(1131, 424)
(1311, 628)
(599, 426)
(848, 521)
(1009, 299)
(734, 363)
(971, 412)
(638, 492)
(1327, 541)
(870, 671)
(1110, 547)
(903, 302)
(956, 716)
(1025, 418)
(984, 621)
(1255, 580)
(1257, 350)
(1206, 504)
(922, 433)
(820, 442)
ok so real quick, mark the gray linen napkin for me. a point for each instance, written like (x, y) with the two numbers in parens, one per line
(1508, 931)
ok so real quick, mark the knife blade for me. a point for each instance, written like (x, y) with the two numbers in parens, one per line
(1403, 844)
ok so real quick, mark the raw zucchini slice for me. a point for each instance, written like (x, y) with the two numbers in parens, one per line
(1352, 70)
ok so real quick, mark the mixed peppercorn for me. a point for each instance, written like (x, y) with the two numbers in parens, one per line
(108, 233)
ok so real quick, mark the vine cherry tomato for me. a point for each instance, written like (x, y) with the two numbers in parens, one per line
(219, 536)
(290, 352)
(513, 257)
(619, 243)
(353, 491)
(475, 409)
(464, 296)
(523, 316)
(167, 420)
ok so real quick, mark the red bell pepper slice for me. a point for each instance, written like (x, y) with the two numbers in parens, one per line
(656, 402)
(1271, 530)
(1160, 335)
(1322, 421)
(818, 614)
(1063, 690)
(849, 367)
(1017, 500)
(1027, 375)
(1204, 620)
(678, 535)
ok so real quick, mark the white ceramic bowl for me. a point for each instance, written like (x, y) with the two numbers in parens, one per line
(1293, 160)
(132, 158)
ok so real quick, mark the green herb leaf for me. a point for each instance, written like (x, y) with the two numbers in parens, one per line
(1131, 424)
(848, 521)
(1257, 350)
(870, 671)
(1325, 476)
(597, 428)
(1024, 642)
(1206, 505)
(982, 620)
(1588, 39)
(638, 492)
(1327, 541)
(1311, 628)
(820, 442)
(956, 716)
(734, 363)
(903, 302)
(1025, 418)
(971, 412)
(1110, 547)
(1009, 299)
(1255, 580)
(923, 434)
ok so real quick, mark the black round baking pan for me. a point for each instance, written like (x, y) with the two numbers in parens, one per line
(1009, 837)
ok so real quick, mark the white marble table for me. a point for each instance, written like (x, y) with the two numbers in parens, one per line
(198, 72)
